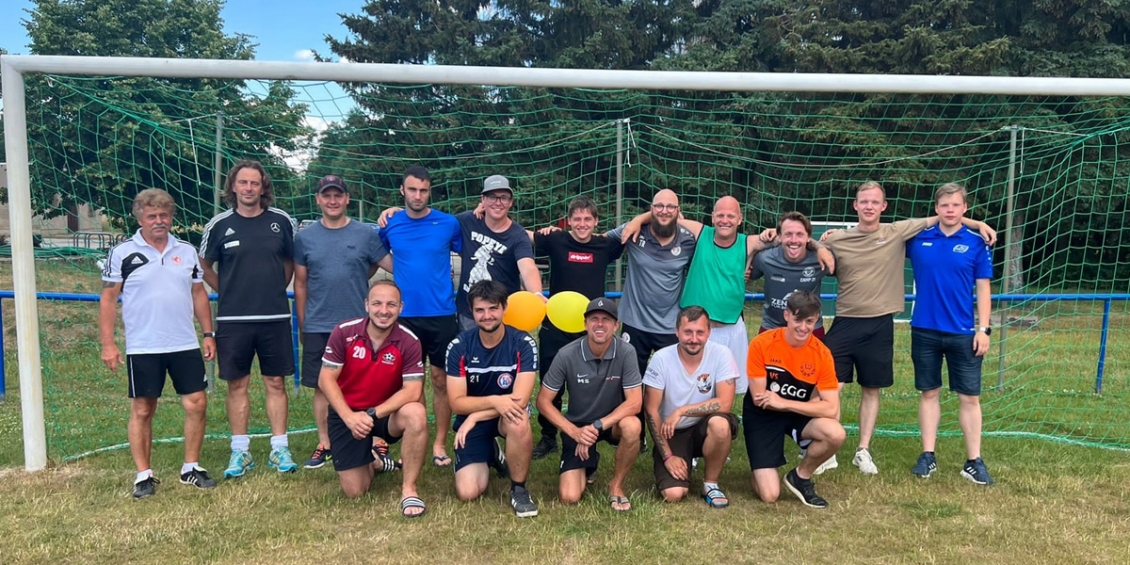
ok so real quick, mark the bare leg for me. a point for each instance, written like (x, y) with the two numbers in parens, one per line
(969, 414)
(321, 414)
(471, 481)
(766, 484)
(238, 405)
(356, 481)
(716, 448)
(519, 446)
(195, 413)
(442, 409)
(277, 404)
(868, 415)
(929, 415)
(411, 423)
(571, 486)
(827, 437)
(629, 431)
(140, 430)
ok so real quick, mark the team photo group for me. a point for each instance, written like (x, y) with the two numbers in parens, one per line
(654, 374)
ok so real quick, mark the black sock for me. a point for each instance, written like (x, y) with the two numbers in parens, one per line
(516, 484)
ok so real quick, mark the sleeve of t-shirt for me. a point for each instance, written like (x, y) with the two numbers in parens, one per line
(456, 237)
(614, 250)
(907, 229)
(541, 244)
(554, 378)
(197, 272)
(291, 228)
(299, 250)
(112, 269)
(727, 367)
(413, 358)
(617, 232)
(453, 358)
(527, 353)
(210, 245)
(826, 371)
(984, 267)
(758, 270)
(377, 249)
(755, 361)
(335, 348)
(631, 377)
(383, 234)
(522, 247)
(653, 376)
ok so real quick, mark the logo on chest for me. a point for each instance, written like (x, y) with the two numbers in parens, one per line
(704, 384)
(389, 358)
(505, 380)
(578, 257)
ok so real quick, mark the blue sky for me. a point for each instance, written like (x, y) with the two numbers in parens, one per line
(284, 30)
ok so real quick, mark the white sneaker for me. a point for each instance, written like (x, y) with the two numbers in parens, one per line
(863, 460)
(831, 464)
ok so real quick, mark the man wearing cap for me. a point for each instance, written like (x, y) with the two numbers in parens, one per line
(253, 244)
(494, 248)
(603, 381)
(333, 261)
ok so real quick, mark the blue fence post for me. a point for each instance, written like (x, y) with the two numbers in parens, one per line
(1102, 347)
(3, 373)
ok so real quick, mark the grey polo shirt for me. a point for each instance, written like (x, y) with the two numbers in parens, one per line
(655, 278)
(595, 386)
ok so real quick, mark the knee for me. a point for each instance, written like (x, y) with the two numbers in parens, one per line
(969, 401)
(195, 403)
(143, 410)
(467, 493)
(630, 428)
(569, 497)
(768, 497)
(674, 494)
(238, 386)
(439, 383)
(274, 386)
(352, 491)
(718, 427)
(931, 395)
(767, 493)
(837, 435)
(413, 416)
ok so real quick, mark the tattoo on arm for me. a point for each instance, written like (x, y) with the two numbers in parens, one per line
(703, 410)
(659, 443)
(108, 284)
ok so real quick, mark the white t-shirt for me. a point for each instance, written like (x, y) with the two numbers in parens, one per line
(680, 388)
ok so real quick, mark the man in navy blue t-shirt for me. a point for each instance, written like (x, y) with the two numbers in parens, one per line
(490, 377)
(950, 262)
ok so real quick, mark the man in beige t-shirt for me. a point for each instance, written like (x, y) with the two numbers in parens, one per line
(869, 267)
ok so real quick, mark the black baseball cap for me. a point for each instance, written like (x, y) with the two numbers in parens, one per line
(606, 305)
(331, 181)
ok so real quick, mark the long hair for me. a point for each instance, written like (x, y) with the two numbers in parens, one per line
(268, 196)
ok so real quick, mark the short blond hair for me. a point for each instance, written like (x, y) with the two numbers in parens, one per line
(951, 188)
(870, 185)
(153, 198)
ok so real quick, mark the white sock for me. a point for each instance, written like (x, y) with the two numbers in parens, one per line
(240, 442)
(188, 467)
(707, 487)
(143, 475)
(279, 442)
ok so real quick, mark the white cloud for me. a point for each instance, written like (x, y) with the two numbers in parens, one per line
(304, 54)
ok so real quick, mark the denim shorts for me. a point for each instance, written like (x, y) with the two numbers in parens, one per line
(928, 347)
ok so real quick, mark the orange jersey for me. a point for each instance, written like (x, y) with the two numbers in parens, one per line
(792, 372)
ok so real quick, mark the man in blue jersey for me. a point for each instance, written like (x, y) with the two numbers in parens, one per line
(422, 240)
(490, 377)
(950, 262)
(334, 258)
(253, 244)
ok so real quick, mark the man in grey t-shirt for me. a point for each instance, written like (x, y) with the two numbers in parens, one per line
(788, 268)
(333, 261)
(603, 381)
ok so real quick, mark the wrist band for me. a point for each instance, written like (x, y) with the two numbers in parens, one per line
(210, 334)
(666, 457)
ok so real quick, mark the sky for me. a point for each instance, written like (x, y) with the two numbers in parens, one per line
(291, 31)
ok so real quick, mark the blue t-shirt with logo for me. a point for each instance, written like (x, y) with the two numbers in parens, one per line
(421, 261)
(490, 371)
(946, 269)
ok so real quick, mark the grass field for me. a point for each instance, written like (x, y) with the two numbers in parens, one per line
(1054, 502)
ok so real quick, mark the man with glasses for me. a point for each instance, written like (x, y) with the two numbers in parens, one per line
(495, 248)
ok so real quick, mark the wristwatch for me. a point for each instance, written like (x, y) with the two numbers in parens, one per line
(986, 329)
(598, 425)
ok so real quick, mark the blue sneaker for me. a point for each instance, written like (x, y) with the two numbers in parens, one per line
(925, 466)
(239, 464)
(282, 461)
(976, 471)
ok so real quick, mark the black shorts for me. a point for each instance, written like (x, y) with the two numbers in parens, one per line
(313, 347)
(146, 373)
(765, 432)
(479, 447)
(687, 443)
(237, 343)
(646, 343)
(435, 334)
(868, 345)
(569, 459)
(350, 452)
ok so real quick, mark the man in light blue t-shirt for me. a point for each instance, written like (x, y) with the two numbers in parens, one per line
(950, 263)
(333, 261)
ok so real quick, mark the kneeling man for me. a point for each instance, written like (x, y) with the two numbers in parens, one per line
(373, 377)
(688, 395)
(786, 368)
(490, 377)
(602, 378)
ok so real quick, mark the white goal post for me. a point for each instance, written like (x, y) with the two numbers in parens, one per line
(13, 69)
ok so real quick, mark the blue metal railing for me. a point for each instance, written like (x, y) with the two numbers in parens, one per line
(1106, 299)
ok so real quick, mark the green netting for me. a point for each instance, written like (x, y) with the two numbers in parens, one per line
(101, 140)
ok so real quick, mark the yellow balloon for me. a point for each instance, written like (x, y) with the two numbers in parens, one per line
(567, 311)
(524, 311)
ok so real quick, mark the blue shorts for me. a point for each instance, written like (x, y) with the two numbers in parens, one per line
(479, 447)
(928, 347)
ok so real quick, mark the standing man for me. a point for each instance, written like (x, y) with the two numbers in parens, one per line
(422, 240)
(334, 258)
(870, 260)
(786, 369)
(788, 268)
(690, 390)
(253, 245)
(495, 248)
(162, 288)
(490, 377)
(578, 262)
(950, 262)
(600, 374)
(373, 376)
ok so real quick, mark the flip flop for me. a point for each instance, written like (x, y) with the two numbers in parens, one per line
(388, 465)
(716, 498)
(621, 500)
(441, 460)
(412, 502)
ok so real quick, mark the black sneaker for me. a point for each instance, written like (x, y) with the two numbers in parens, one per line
(523, 505)
(319, 458)
(805, 490)
(545, 446)
(498, 462)
(146, 487)
(198, 478)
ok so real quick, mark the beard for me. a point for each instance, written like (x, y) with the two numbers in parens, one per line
(662, 231)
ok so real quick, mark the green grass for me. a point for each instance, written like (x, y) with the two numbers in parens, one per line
(1054, 502)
